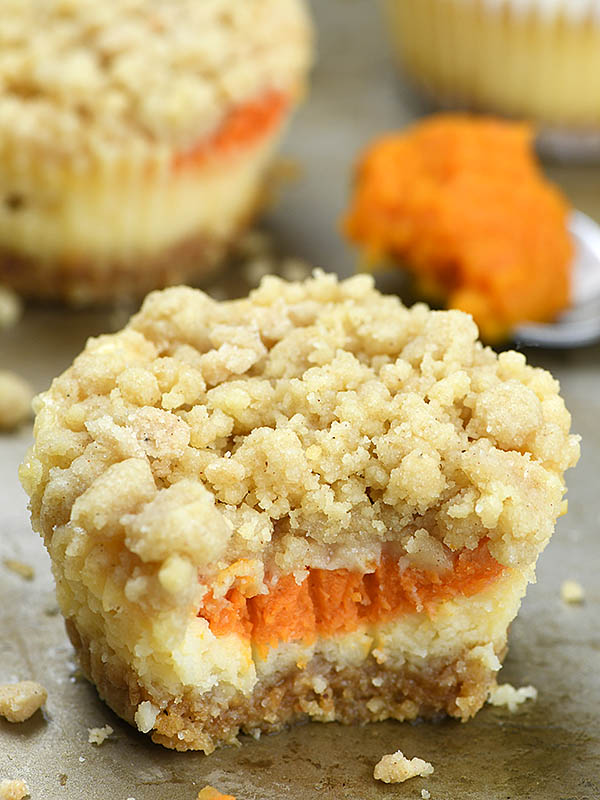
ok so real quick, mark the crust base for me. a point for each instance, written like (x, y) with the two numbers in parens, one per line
(86, 281)
(370, 693)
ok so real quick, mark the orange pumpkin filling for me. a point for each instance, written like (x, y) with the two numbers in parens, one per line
(338, 601)
(242, 127)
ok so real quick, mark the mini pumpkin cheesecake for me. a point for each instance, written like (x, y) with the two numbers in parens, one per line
(135, 137)
(532, 59)
(313, 503)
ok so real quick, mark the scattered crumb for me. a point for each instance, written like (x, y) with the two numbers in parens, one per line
(19, 701)
(63, 778)
(15, 400)
(294, 269)
(11, 308)
(507, 695)
(425, 794)
(254, 243)
(13, 790)
(257, 268)
(210, 793)
(396, 768)
(572, 592)
(258, 256)
(99, 735)
(24, 570)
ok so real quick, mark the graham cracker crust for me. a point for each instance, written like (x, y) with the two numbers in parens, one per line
(85, 281)
(369, 693)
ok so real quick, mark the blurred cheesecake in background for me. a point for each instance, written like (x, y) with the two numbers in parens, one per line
(534, 59)
(135, 136)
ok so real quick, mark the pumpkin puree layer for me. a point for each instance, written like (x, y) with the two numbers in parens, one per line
(329, 602)
(242, 127)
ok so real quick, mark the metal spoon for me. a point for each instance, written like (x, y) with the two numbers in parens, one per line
(580, 325)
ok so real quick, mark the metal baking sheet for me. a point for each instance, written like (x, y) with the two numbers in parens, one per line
(549, 750)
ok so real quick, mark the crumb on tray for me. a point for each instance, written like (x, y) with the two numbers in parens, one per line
(572, 592)
(396, 768)
(425, 794)
(507, 695)
(13, 790)
(210, 793)
(15, 400)
(99, 735)
(19, 701)
(11, 308)
(20, 568)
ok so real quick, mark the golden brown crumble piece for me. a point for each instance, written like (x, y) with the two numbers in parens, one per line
(99, 735)
(19, 701)
(11, 308)
(26, 571)
(15, 400)
(571, 592)
(13, 789)
(396, 768)
(507, 695)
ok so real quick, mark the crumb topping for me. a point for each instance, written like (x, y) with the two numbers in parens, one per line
(396, 768)
(19, 701)
(308, 425)
(15, 400)
(141, 71)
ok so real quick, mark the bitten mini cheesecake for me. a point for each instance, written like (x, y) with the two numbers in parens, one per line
(135, 136)
(313, 503)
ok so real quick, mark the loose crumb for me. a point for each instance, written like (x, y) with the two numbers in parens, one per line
(13, 790)
(15, 400)
(19, 701)
(507, 695)
(210, 793)
(11, 308)
(99, 735)
(572, 592)
(425, 794)
(396, 768)
(24, 570)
